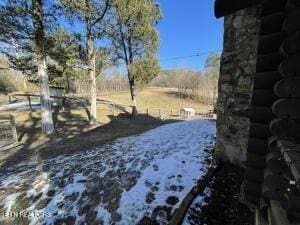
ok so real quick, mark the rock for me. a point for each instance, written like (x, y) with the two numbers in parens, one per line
(116, 217)
(148, 183)
(238, 64)
(66, 221)
(150, 197)
(172, 200)
(155, 167)
(162, 214)
(180, 188)
(51, 193)
(173, 188)
(147, 221)
(154, 189)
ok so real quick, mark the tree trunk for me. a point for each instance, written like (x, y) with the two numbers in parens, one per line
(91, 64)
(47, 121)
(24, 82)
(132, 85)
(215, 94)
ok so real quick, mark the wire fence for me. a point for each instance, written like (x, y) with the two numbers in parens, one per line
(8, 132)
(113, 109)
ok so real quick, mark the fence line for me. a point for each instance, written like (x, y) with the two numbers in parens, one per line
(8, 132)
(115, 109)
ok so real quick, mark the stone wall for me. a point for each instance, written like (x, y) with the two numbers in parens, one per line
(238, 65)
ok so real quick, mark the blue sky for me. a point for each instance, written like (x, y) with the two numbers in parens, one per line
(188, 27)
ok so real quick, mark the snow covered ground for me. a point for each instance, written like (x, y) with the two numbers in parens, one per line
(130, 181)
(21, 106)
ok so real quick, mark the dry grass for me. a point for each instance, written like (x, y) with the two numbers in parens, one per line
(152, 98)
(3, 99)
(158, 98)
(73, 132)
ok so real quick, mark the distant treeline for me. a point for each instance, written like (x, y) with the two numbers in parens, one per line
(190, 84)
(196, 85)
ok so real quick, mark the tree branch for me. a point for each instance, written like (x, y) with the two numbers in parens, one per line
(103, 13)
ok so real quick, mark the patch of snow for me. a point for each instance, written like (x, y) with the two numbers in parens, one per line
(103, 215)
(76, 186)
(9, 201)
(21, 106)
(121, 182)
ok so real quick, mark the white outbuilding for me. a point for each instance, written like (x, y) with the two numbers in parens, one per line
(187, 113)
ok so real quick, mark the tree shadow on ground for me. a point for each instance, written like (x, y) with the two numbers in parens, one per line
(5, 90)
(67, 125)
(73, 134)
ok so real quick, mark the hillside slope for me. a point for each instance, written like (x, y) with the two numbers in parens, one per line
(158, 98)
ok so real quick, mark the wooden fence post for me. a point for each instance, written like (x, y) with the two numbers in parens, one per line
(14, 129)
(63, 102)
(29, 101)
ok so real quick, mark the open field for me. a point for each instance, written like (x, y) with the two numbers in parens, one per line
(152, 98)
(158, 98)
